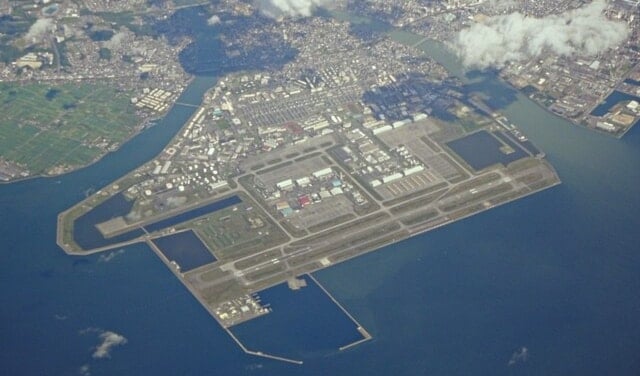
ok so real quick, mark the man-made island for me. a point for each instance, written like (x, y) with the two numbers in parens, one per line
(354, 144)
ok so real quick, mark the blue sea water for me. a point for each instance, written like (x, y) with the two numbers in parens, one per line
(87, 235)
(186, 249)
(556, 273)
(312, 323)
(482, 149)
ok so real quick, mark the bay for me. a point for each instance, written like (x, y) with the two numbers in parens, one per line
(555, 273)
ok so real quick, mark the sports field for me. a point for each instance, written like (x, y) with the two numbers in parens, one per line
(68, 125)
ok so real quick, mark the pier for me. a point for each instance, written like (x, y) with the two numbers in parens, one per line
(365, 334)
(209, 309)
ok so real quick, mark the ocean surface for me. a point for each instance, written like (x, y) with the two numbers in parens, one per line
(546, 285)
(294, 316)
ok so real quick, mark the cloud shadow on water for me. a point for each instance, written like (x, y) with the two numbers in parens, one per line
(236, 43)
(496, 93)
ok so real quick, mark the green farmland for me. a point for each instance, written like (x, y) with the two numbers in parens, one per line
(48, 129)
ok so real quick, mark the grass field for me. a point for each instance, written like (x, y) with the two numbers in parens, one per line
(68, 125)
(230, 233)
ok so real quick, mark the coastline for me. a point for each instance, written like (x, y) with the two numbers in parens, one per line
(503, 80)
(144, 125)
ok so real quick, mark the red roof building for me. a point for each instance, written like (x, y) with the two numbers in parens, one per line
(304, 200)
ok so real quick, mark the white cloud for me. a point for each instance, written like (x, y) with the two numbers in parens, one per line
(109, 340)
(290, 8)
(515, 37)
(39, 28)
(110, 256)
(519, 356)
(90, 330)
(213, 20)
(84, 370)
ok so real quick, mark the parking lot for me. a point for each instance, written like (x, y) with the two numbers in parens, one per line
(321, 212)
(408, 185)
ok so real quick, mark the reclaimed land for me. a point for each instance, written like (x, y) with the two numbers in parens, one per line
(255, 247)
(255, 251)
